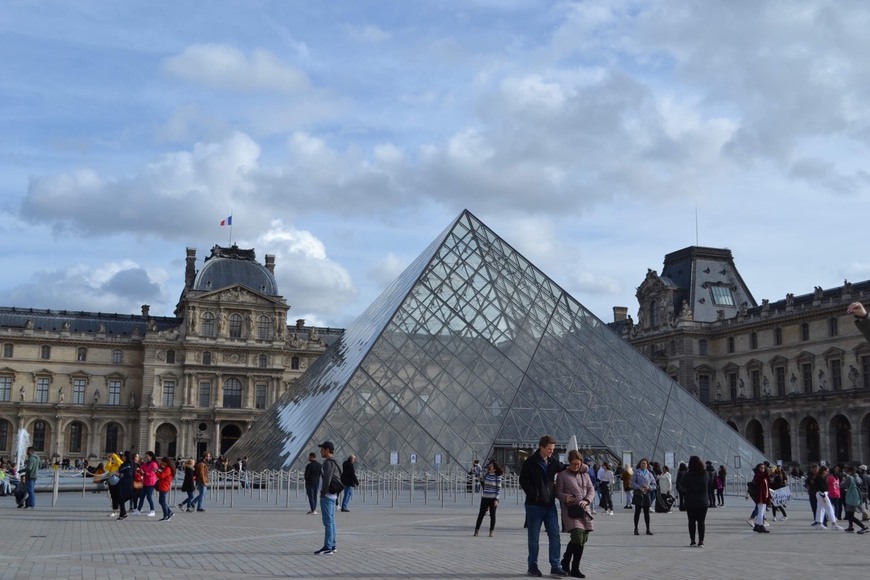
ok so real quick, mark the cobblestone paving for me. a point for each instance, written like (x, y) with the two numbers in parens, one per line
(397, 539)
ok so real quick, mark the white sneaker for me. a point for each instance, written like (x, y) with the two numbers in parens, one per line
(784, 518)
(314, 512)
(774, 518)
(112, 515)
(838, 527)
(151, 514)
(135, 512)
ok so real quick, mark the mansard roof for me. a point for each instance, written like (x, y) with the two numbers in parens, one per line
(231, 266)
(80, 321)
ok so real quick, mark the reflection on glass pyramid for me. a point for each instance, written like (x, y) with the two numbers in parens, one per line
(473, 347)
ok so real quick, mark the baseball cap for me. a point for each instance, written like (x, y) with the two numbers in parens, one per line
(862, 467)
(327, 445)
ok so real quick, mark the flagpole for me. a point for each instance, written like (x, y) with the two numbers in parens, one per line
(231, 228)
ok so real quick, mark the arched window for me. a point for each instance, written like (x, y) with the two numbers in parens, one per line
(206, 325)
(39, 431)
(81, 354)
(232, 394)
(264, 328)
(235, 326)
(294, 363)
(653, 314)
(75, 437)
(112, 430)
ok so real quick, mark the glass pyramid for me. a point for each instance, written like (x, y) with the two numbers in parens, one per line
(471, 347)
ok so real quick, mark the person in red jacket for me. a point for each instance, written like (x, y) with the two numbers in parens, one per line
(165, 476)
(762, 496)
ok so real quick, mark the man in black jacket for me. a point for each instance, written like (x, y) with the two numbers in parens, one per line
(348, 478)
(538, 478)
(313, 472)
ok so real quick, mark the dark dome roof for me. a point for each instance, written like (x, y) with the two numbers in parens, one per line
(231, 266)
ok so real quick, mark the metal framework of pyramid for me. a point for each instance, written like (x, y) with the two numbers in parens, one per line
(470, 347)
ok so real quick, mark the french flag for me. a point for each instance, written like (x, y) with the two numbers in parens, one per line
(227, 222)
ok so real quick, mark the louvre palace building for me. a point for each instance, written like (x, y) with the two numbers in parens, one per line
(792, 375)
(84, 383)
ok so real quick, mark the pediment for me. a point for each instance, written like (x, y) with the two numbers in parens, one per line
(238, 294)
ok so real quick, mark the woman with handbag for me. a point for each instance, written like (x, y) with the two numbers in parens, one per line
(642, 483)
(575, 491)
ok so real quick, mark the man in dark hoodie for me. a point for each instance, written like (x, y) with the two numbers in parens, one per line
(537, 478)
(711, 488)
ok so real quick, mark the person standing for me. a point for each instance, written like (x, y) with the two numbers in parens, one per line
(148, 469)
(778, 480)
(626, 476)
(681, 471)
(313, 472)
(809, 487)
(538, 479)
(201, 475)
(31, 472)
(824, 507)
(188, 486)
(721, 479)
(693, 493)
(490, 493)
(711, 489)
(349, 480)
(642, 483)
(762, 497)
(606, 480)
(574, 487)
(329, 489)
(124, 488)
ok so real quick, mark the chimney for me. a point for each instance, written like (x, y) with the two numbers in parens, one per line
(270, 263)
(145, 310)
(190, 268)
(620, 313)
(300, 323)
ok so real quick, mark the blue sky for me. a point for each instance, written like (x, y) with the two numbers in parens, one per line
(344, 136)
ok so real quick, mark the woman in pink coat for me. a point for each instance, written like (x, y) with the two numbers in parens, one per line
(574, 488)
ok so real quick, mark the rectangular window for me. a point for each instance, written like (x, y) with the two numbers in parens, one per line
(780, 381)
(805, 331)
(732, 385)
(114, 392)
(45, 352)
(807, 376)
(205, 394)
(75, 438)
(753, 340)
(78, 391)
(833, 327)
(865, 370)
(170, 357)
(7, 351)
(730, 344)
(755, 378)
(702, 347)
(117, 356)
(777, 336)
(722, 296)
(4, 434)
(704, 388)
(168, 393)
(260, 396)
(42, 389)
(836, 373)
(5, 388)
(264, 328)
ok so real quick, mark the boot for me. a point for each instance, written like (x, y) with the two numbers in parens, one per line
(566, 557)
(575, 565)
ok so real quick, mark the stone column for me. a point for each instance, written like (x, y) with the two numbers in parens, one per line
(216, 443)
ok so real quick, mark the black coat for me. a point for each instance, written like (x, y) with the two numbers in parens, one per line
(313, 472)
(348, 474)
(187, 484)
(539, 484)
(125, 485)
(693, 487)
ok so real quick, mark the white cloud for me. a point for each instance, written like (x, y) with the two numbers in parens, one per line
(367, 33)
(388, 269)
(224, 67)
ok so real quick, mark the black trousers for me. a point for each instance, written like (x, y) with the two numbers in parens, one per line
(697, 519)
(486, 503)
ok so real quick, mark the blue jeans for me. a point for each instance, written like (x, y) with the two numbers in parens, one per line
(345, 500)
(200, 488)
(162, 499)
(311, 492)
(535, 516)
(31, 493)
(327, 513)
(146, 492)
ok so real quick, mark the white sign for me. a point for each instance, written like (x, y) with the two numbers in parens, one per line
(394, 457)
(626, 458)
(780, 497)
(437, 459)
(669, 459)
(413, 458)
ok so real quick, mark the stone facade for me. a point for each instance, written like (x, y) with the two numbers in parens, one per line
(792, 376)
(84, 383)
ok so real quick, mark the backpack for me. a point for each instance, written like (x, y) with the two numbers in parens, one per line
(853, 496)
(335, 486)
(750, 488)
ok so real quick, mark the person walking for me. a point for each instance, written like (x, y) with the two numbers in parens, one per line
(329, 490)
(852, 501)
(188, 485)
(148, 470)
(824, 507)
(626, 476)
(201, 475)
(575, 491)
(719, 484)
(123, 490)
(490, 493)
(693, 492)
(761, 487)
(313, 471)
(349, 480)
(165, 476)
(537, 479)
(606, 479)
(31, 473)
(681, 471)
(642, 483)
(778, 480)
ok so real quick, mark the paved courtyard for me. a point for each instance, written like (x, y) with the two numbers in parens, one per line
(380, 538)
